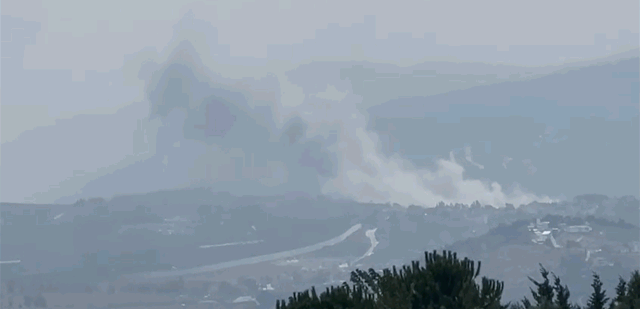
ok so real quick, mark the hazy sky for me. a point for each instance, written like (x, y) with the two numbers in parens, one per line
(248, 26)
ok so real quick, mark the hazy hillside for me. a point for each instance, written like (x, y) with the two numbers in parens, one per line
(507, 252)
(614, 82)
(385, 83)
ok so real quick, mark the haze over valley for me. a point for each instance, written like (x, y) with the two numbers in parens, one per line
(180, 159)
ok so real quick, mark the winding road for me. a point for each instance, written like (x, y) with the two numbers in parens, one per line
(249, 261)
(374, 242)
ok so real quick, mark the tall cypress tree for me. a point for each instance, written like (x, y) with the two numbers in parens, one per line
(598, 299)
(543, 295)
(621, 292)
(562, 294)
(633, 291)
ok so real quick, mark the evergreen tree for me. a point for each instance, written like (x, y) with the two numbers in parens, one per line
(598, 299)
(562, 294)
(516, 305)
(632, 297)
(621, 292)
(444, 282)
(543, 295)
(633, 288)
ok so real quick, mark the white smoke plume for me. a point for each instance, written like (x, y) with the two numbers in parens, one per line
(363, 172)
(469, 157)
(366, 174)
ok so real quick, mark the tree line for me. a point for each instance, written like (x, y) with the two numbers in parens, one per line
(447, 282)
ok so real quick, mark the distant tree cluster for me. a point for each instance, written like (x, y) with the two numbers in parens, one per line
(627, 294)
(446, 282)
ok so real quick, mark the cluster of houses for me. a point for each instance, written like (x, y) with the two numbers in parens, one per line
(542, 232)
(574, 234)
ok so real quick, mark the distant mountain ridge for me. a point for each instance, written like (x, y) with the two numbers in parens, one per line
(565, 87)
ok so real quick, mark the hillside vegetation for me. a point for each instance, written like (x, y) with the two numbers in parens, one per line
(448, 282)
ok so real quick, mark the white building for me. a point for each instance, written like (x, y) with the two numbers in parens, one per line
(245, 299)
(578, 229)
(542, 225)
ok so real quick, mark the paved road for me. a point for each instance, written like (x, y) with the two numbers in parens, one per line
(374, 242)
(249, 261)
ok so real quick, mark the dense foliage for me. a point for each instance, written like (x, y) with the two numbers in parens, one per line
(448, 282)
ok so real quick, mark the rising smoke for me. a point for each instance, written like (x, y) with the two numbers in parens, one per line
(361, 170)
(365, 174)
